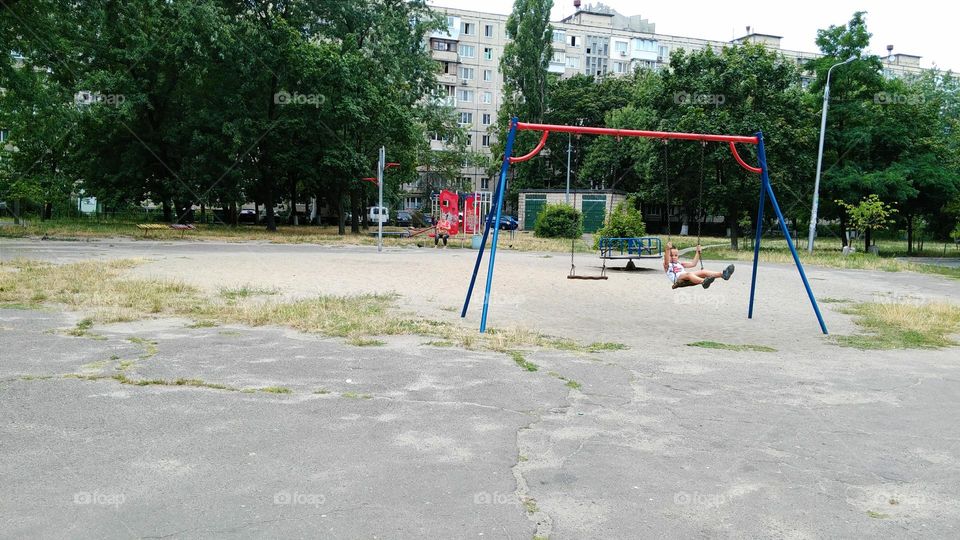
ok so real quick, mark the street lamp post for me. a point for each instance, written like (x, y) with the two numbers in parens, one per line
(823, 128)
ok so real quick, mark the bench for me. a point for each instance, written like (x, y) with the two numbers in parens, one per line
(645, 247)
(182, 227)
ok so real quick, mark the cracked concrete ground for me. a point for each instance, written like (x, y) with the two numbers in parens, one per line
(414, 441)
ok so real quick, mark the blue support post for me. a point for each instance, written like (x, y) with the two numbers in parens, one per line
(486, 231)
(786, 234)
(498, 197)
(756, 240)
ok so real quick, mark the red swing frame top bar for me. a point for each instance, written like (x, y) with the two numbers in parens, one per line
(586, 130)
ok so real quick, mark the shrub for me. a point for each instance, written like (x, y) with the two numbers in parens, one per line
(625, 222)
(559, 221)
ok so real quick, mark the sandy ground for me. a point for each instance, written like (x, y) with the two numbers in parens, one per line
(811, 441)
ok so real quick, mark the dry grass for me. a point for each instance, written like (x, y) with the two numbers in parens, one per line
(99, 288)
(903, 326)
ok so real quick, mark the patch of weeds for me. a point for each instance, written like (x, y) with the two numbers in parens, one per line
(248, 390)
(354, 395)
(903, 326)
(601, 346)
(93, 366)
(523, 362)
(201, 384)
(834, 300)
(82, 330)
(149, 347)
(530, 505)
(230, 333)
(35, 377)
(729, 347)
(440, 343)
(276, 390)
(202, 324)
(877, 515)
(321, 391)
(573, 384)
(451, 309)
(19, 305)
(360, 341)
(246, 292)
(522, 458)
(125, 365)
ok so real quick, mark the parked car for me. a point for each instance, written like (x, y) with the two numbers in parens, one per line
(378, 214)
(247, 215)
(403, 219)
(509, 223)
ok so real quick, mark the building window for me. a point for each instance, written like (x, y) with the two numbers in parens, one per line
(619, 67)
(559, 57)
(466, 118)
(485, 140)
(488, 75)
(486, 119)
(488, 53)
(573, 41)
(559, 36)
(469, 139)
(573, 62)
(620, 47)
(485, 184)
(4, 135)
(487, 97)
(466, 73)
(466, 29)
(465, 96)
(413, 203)
(664, 53)
(467, 51)
(488, 30)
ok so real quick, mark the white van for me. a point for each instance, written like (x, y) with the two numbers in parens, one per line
(377, 214)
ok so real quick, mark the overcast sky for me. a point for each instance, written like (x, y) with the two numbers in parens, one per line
(919, 27)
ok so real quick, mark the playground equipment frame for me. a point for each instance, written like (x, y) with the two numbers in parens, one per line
(766, 190)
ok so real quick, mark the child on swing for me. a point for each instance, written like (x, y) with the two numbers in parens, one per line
(677, 271)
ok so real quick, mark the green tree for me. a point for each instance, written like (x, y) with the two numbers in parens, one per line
(870, 214)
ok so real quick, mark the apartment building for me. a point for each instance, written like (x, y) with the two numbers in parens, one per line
(596, 40)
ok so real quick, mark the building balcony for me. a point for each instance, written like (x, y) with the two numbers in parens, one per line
(445, 56)
(448, 78)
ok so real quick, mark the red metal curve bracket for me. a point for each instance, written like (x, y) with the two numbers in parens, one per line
(535, 151)
(736, 155)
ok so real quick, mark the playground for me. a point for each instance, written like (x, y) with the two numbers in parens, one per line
(687, 416)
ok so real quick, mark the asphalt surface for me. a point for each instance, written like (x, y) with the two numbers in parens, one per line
(409, 440)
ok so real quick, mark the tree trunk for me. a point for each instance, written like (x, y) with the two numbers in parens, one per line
(355, 213)
(734, 232)
(203, 213)
(294, 218)
(271, 217)
(866, 239)
(167, 213)
(47, 211)
(341, 217)
(843, 228)
(909, 234)
(256, 211)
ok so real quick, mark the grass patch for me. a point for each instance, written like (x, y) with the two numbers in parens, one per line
(202, 324)
(125, 365)
(100, 287)
(150, 348)
(246, 292)
(93, 366)
(903, 326)
(605, 346)
(321, 391)
(360, 341)
(829, 300)
(573, 384)
(877, 515)
(354, 395)
(439, 344)
(276, 390)
(36, 377)
(530, 505)
(523, 362)
(729, 347)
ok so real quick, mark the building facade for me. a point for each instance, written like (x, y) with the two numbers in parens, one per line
(596, 40)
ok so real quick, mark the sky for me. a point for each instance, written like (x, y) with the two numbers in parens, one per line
(918, 27)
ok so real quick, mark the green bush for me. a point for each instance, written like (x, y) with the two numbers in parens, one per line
(559, 221)
(625, 222)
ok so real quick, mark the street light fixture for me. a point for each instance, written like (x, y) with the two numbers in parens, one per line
(823, 127)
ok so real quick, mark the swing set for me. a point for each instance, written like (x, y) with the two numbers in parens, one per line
(766, 190)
